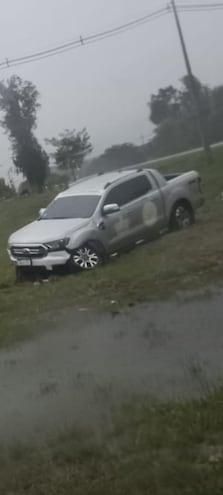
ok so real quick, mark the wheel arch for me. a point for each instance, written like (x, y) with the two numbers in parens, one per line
(97, 244)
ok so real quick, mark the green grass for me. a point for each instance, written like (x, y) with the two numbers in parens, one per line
(180, 261)
(159, 449)
(149, 448)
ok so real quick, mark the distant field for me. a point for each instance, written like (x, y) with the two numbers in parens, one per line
(184, 260)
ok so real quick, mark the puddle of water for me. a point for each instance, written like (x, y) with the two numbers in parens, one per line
(91, 363)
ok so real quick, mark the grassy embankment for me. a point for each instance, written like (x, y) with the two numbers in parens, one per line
(151, 449)
(184, 260)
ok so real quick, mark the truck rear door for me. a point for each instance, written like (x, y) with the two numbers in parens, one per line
(141, 210)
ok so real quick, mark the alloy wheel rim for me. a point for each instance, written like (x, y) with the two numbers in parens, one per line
(183, 216)
(86, 258)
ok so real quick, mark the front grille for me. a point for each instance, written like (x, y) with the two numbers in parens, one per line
(21, 252)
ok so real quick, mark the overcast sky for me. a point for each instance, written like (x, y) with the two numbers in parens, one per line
(104, 86)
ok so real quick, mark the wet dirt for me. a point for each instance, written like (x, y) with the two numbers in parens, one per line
(91, 363)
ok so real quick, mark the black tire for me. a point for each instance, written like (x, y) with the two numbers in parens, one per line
(88, 257)
(182, 216)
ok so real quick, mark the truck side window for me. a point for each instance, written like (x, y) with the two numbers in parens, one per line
(129, 191)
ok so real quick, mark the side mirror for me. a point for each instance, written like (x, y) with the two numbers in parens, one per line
(41, 212)
(109, 209)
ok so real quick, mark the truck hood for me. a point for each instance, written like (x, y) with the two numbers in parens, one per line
(42, 231)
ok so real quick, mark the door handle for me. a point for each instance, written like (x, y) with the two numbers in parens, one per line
(101, 225)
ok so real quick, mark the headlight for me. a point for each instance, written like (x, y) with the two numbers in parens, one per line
(58, 245)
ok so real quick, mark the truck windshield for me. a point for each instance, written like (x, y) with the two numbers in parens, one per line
(71, 207)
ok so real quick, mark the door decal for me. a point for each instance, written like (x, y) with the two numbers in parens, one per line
(122, 224)
(149, 213)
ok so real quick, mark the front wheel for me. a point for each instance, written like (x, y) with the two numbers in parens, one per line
(86, 257)
(182, 216)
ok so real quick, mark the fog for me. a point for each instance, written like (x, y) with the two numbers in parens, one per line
(104, 86)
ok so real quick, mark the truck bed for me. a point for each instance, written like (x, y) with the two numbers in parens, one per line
(171, 176)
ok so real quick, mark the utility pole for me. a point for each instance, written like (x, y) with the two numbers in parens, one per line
(193, 90)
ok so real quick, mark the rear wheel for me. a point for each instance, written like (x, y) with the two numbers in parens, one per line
(182, 216)
(87, 257)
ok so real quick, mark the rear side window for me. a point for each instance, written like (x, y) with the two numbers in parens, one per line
(129, 191)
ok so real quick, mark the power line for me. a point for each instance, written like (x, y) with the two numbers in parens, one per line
(77, 44)
(201, 5)
(200, 8)
(86, 40)
(103, 35)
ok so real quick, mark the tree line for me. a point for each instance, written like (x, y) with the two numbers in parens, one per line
(172, 113)
(170, 110)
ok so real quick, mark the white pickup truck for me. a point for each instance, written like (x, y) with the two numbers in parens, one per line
(103, 214)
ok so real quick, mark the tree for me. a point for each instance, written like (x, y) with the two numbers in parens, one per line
(172, 111)
(71, 149)
(6, 191)
(115, 157)
(171, 103)
(32, 161)
(19, 105)
(122, 155)
(164, 105)
(215, 121)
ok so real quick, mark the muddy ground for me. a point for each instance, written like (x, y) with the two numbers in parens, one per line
(89, 364)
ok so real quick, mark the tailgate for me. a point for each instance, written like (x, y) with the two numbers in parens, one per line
(191, 181)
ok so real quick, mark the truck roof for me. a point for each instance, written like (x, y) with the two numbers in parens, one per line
(96, 184)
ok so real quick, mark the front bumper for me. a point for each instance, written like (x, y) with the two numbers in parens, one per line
(52, 259)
